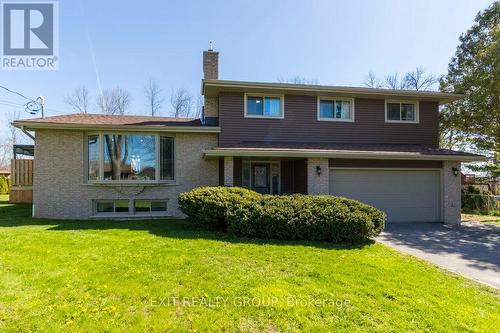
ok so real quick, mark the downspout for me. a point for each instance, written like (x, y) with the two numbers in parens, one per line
(28, 133)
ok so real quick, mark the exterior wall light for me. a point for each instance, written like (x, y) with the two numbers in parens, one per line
(455, 171)
(318, 170)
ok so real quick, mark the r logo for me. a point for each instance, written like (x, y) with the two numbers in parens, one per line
(29, 34)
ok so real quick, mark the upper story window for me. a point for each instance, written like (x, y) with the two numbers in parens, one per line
(264, 106)
(335, 109)
(401, 111)
(129, 157)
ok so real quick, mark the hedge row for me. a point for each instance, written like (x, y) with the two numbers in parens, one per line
(307, 217)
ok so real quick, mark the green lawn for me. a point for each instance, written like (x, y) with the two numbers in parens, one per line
(166, 275)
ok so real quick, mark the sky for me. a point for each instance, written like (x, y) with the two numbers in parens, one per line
(107, 44)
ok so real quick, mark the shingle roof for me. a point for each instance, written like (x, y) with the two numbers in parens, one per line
(395, 148)
(112, 120)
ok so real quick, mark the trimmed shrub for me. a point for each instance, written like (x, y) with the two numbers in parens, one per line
(306, 217)
(210, 205)
(4, 185)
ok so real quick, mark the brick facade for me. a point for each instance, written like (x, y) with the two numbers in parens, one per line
(60, 191)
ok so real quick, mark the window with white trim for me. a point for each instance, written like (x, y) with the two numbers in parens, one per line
(401, 111)
(264, 106)
(335, 109)
(130, 157)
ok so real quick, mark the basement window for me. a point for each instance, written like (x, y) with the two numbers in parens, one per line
(111, 207)
(150, 207)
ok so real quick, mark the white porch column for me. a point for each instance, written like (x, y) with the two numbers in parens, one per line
(228, 171)
(318, 183)
(452, 200)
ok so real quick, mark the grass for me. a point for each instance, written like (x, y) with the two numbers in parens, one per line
(167, 275)
(474, 218)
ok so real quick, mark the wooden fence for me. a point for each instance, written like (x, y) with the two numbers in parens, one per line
(21, 190)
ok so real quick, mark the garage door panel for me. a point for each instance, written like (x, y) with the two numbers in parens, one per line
(404, 195)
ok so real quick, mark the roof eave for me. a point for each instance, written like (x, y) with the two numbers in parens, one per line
(439, 96)
(214, 153)
(137, 128)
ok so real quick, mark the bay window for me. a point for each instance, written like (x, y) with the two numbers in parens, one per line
(130, 157)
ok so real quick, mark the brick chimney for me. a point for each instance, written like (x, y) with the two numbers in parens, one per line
(210, 64)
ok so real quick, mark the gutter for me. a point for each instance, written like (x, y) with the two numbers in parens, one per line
(137, 128)
(214, 153)
(243, 85)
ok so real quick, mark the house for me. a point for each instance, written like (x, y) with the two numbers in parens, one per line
(4, 173)
(379, 146)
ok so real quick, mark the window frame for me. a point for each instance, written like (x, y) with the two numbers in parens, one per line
(101, 179)
(263, 96)
(336, 98)
(400, 102)
(150, 213)
(114, 212)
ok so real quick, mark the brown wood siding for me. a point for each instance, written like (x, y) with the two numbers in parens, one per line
(294, 176)
(368, 163)
(301, 125)
(300, 176)
(286, 176)
(237, 171)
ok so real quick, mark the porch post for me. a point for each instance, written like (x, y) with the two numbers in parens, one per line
(228, 171)
(318, 176)
(452, 199)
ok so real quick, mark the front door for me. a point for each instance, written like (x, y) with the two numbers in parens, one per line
(260, 179)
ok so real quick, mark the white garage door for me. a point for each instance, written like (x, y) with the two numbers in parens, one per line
(404, 195)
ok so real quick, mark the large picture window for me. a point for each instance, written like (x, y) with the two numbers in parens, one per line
(93, 157)
(129, 157)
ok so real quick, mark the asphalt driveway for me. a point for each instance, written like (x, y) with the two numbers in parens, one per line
(471, 250)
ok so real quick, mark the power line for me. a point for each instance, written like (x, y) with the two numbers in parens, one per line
(16, 93)
(13, 104)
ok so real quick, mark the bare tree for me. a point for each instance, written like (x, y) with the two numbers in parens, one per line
(5, 155)
(13, 137)
(298, 80)
(115, 101)
(198, 107)
(181, 102)
(153, 95)
(419, 80)
(393, 81)
(414, 80)
(79, 100)
(372, 81)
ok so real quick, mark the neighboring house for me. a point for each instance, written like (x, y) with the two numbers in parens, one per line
(378, 146)
(5, 172)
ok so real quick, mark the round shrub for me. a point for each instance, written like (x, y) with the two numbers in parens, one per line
(306, 217)
(211, 205)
